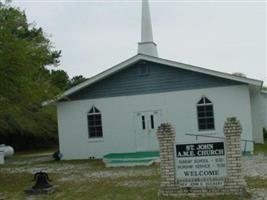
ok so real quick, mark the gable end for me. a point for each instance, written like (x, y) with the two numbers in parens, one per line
(160, 78)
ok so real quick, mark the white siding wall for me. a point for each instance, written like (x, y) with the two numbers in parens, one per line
(264, 96)
(178, 108)
(258, 112)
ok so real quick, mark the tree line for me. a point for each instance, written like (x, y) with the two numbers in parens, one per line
(25, 53)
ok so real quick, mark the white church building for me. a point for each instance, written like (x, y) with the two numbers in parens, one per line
(119, 110)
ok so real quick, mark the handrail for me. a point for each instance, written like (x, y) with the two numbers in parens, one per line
(199, 135)
(211, 136)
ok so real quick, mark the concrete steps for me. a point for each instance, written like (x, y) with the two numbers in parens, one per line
(131, 159)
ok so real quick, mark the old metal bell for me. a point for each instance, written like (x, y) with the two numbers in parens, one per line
(41, 186)
(42, 181)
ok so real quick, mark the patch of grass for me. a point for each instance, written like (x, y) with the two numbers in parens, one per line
(260, 148)
(72, 181)
(12, 185)
(228, 197)
(256, 182)
(104, 189)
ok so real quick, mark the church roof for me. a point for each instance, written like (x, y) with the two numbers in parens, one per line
(147, 51)
(141, 57)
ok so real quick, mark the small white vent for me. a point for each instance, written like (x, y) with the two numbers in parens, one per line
(144, 69)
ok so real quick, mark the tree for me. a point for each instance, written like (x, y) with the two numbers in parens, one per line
(76, 80)
(25, 51)
(60, 79)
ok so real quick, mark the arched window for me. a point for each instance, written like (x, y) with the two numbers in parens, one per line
(94, 123)
(205, 114)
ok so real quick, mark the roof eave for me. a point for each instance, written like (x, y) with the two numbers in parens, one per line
(249, 81)
(138, 57)
(93, 79)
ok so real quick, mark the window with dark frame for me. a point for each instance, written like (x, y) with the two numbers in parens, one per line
(205, 114)
(94, 123)
(152, 121)
(143, 122)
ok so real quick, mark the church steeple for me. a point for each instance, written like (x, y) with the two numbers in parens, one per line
(147, 45)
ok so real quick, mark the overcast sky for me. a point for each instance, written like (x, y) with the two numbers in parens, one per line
(228, 36)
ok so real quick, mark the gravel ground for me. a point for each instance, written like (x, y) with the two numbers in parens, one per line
(253, 166)
(256, 166)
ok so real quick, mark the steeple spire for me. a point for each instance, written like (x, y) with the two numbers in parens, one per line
(147, 45)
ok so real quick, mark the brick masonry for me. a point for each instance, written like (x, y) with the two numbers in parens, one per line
(234, 182)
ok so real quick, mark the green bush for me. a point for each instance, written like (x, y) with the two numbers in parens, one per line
(265, 133)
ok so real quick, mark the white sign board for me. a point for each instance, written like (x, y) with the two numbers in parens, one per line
(200, 164)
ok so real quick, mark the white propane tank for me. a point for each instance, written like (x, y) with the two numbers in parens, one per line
(2, 159)
(7, 150)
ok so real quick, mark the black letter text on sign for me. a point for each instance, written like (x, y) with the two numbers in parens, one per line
(200, 164)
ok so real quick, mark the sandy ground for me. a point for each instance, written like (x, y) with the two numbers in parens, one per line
(256, 166)
(253, 166)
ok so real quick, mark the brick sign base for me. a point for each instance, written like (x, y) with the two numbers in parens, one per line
(233, 183)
